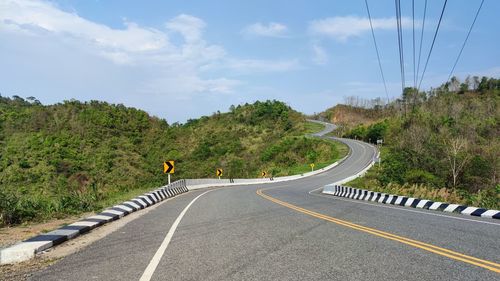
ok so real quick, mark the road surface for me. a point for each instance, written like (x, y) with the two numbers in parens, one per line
(283, 231)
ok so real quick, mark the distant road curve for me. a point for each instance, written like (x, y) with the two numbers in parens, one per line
(329, 127)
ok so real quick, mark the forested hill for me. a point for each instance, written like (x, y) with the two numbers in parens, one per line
(443, 144)
(79, 156)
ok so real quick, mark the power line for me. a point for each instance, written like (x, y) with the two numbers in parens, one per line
(432, 45)
(400, 44)
(465, 42)
(421, 38)
(376, 49)
(413, 23)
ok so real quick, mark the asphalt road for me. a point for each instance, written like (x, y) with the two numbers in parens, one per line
(290, 233)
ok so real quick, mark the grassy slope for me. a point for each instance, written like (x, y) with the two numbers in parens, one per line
(311, 127)
(74, 157)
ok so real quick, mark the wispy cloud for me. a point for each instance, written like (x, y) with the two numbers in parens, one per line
(189, 26)
(40, 18)
(343, 28)
(243, 67)
(261, 66)
(320, 56)
(272, 29)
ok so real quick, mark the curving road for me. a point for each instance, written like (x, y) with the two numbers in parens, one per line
(288, 231)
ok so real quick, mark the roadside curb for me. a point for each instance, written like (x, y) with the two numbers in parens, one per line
(27, 249)
(367, 195)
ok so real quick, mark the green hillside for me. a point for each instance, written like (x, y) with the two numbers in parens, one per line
(442, 145)
(74, 156)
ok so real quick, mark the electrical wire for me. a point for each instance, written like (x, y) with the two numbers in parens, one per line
(465, 42)
(376, 49)
(413, 27)
(432, 45)
(400, 44)
(421, 38)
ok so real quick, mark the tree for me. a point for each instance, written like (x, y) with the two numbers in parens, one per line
(468, 81)
(33, 100)
(464, 87)
(475, 83)
(454, 84)
(376, 131)
(456, 153)
(483, 84)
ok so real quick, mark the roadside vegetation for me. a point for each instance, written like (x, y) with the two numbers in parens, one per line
(311, 128)
(442, 145)
(75, 157)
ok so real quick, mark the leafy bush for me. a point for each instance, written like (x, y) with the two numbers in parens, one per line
(416, 176)
(394, 168)
(375, 132)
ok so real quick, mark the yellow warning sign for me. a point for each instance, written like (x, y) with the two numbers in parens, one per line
(168, 167)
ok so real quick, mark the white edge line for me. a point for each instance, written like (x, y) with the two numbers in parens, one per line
(150, 269)
(398, 208)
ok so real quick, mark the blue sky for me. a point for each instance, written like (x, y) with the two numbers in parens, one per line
(184, 59)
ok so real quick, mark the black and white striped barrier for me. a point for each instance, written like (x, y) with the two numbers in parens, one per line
(367, 195)
(28, 248)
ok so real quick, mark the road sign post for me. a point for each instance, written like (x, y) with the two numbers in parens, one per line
(169, 168)
(379, 144)
(263, 174)
(312, 167)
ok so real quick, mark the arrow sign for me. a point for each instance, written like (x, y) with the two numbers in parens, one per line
(168, 167)
(219, 172)
(264, 174)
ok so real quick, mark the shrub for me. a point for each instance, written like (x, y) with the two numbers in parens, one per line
(416, 176)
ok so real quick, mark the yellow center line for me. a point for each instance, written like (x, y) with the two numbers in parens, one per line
(495, 267)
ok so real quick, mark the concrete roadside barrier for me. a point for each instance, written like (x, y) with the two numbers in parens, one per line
(27, 249)
(384, 198)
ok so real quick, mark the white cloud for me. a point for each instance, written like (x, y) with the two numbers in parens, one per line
(252, 66)
(190, 84)
(320, 55)
(272, 29)
(258, 66)
(190, 27)
(137, 61)
(39, 16)
(342, 28)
